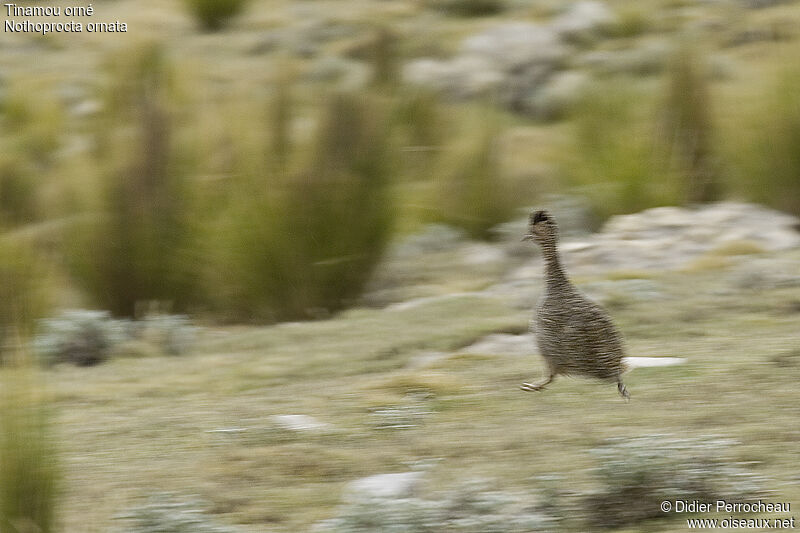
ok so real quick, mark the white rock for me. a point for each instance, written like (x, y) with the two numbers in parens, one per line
(400, 485)
(516, 44)
(583, 18)
(504, 344)
(483, 254)
(299, 423)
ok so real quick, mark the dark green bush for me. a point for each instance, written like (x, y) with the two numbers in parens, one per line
(23, 290)
(214, 14)
(30, 128)
(138, 248)
(28, 465)
(304, 244)
(473, 194)
(614, 160)
(687, 129)
(469, 8)
(766, 149)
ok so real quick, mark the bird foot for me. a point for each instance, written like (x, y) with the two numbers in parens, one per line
(532, 387)
(624, 391)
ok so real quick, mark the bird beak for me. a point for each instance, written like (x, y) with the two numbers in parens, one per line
(528, 237)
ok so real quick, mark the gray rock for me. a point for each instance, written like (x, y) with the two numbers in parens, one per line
(584, 20)
(391, 486)
(504, 344)
(667, 238)
(648, 58)
(515, 45)
(509, 61)
(346, 73)
(558, 94)
(433, 238)
(299, 423)
(760, 4)
(460, 77)
(483, 254)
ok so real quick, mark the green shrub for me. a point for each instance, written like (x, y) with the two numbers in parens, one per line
(31, 127)
(18, 193)
(304, 244)
(385, 58)
(473, 195)
(637, 474)
(687, 130)
(214, 14)
(29, 475)
(614, 160)
(23, 290)
(139, 248)
(765, 150)
(469, 8)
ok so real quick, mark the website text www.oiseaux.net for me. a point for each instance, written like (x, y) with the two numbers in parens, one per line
(759, 507)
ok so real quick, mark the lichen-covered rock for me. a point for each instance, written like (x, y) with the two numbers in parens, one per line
(666, 238)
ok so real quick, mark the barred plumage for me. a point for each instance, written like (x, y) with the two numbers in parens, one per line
(575, 335)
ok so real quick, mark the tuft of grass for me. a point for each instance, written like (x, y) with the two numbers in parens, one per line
(468, 8)
(613, 160)
(24, 293)
(632, 21)
(687, 130)
(33, 137)
(738, 247)
(303, 245)
(138, 249)
(767, 160)
(29, 474)
(623, 274)
(212, 15)
(473, 194)
(707, 262)
(385, 58)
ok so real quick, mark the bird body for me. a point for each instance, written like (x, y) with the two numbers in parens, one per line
(575, 335)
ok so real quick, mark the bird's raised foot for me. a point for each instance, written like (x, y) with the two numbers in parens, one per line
(624, 391)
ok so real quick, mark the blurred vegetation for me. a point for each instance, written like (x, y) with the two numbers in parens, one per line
(24, 295)
(30, 135)
(138, 248)
(765, 149)
(687, 131)
(303, 244)
(468, 8)
(637, 474)
(614, 160)
(166, 513)
(29, 473)
(212, 15)
(473, 194)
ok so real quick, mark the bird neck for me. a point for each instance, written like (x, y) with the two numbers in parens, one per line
(554, 274)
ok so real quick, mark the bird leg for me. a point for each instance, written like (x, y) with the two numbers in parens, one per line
(533, 387)
(623, 391)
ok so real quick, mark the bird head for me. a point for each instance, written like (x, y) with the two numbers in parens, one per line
(542, 229)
